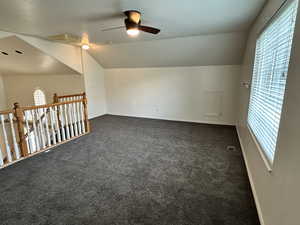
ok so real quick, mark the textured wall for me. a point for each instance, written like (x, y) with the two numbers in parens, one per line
(94, 86)
(203, 94)
(3, 103)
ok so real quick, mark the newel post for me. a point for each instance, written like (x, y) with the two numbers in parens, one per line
(55, 98)
(86, 119)
(20, 124)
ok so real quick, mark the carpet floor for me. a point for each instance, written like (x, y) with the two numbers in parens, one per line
(133, 171)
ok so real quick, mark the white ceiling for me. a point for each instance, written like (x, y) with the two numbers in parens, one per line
(32, 61)
(219, 49)
(175, 18)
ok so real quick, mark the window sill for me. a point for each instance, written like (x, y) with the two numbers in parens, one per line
(266, 161)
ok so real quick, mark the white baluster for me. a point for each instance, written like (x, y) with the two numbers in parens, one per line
(35, 132)
(62, 122)
(29, 141)
(78, 117)
(1, 157)
(9, 156)
(82, 116)
(38, 129)
(75, 119)
(41, 127)
(70, 120)
(13, 133)
(66, 121)
(57, 124)
(52, 121)
(47, 126)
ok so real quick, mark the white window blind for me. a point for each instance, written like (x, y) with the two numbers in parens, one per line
(273, 49)
(39, 97)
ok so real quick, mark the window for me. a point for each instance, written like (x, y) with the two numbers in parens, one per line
(39, 97)
(273, 49)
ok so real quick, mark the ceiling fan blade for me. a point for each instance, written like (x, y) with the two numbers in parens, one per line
(64, 38)
(112, 28)
(147, 29)
(103, 17)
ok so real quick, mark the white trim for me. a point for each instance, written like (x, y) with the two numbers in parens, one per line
(96, 116)
(258, 208)
(174, 119)
(267, 162)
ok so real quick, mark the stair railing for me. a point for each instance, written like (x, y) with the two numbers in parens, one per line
(26, 131)
(9, 146)
(64, 98)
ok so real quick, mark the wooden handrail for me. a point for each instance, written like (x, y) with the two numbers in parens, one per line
(4, 112)
(51, 105)
(68, 96)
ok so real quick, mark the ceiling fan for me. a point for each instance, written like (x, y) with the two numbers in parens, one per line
(133, 24)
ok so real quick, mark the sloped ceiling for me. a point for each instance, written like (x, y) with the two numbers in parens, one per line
(178, 19)
(220, 49)
(29, 60)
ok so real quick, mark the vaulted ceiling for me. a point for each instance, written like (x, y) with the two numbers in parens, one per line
(18, 57)
(194, 20)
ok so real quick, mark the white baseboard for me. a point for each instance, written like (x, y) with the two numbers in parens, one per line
(95, 116)
(258, 208)
(175, 119)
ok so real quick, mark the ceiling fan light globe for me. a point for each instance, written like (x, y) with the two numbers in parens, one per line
(85, 47)
(133, 32)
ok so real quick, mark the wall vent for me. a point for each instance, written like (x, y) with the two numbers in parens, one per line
(231, 148)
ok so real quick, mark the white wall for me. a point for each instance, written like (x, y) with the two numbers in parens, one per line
(277, 193)
(201, 94)
(20, 88)
(3, 103)
(3, 106)
(94, 86)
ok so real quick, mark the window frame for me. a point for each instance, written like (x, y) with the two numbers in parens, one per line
(34, 98)
(268, 163)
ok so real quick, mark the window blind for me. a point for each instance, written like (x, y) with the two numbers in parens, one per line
(273, 49)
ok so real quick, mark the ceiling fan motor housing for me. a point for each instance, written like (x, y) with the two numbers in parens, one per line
(131, 25)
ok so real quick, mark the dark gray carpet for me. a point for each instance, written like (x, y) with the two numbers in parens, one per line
(133, 171)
